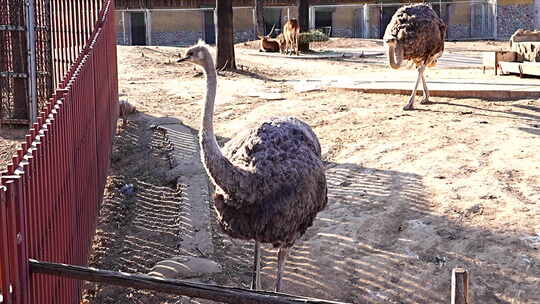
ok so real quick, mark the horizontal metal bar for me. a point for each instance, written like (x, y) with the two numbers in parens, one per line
(7, 27)
(196, 290)
(13, 75)
(12, 121)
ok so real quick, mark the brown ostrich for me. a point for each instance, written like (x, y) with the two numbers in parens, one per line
(270, 181)
(416, 34)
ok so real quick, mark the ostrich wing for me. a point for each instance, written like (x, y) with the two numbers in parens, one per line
(285, 186)
(271, 159)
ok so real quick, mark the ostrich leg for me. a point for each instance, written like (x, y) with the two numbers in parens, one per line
(256, 279)
(409, 105)
(425, 100)
(282, 256)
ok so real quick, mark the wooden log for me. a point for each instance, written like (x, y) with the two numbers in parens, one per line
(196, 290)
(460, 286)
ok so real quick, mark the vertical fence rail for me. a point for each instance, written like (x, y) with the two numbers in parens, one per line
(50, 194)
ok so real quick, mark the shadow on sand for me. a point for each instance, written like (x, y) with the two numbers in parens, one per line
(380, 240)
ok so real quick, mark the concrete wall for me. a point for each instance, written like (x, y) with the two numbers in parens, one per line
(458, 20)
(244, 29)
(120, 29)
(176, 27)
(343, 22)
(183, 27)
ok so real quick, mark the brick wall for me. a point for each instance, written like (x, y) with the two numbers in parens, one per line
(513, 17)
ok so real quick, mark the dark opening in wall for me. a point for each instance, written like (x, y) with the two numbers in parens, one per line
(272, 17)
(323, 19)
(138, 28)
(209, 27)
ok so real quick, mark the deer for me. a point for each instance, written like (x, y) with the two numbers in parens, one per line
(291, 34)
(270, 45)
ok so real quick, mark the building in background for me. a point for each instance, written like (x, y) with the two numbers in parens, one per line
(183, 22)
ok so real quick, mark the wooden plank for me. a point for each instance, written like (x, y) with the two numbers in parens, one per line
(460, 286)
(531, 68)
(196, 290)
(510, 67)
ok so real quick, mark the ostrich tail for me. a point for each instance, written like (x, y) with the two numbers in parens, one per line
(395, 55)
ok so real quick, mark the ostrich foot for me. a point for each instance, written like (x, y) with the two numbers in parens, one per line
(409, 105)
(425, 101)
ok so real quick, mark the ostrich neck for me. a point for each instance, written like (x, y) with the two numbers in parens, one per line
(223, 173)
(207, 131)
(395, 61)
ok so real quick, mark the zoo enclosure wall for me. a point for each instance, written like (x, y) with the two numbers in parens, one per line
(50, 193)
(184, 26)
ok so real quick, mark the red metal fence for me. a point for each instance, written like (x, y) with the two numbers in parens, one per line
(50, 194)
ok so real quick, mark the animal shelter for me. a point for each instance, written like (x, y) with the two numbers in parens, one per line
(156, 23)
(465, 19)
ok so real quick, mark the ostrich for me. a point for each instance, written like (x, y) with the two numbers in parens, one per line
(416, 34)
(269, 180)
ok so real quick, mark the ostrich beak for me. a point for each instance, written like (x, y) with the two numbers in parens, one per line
(183, 59)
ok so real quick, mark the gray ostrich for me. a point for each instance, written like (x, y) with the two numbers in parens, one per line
(415, 33)
(269, 181)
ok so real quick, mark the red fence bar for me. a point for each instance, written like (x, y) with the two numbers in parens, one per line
(50, 194)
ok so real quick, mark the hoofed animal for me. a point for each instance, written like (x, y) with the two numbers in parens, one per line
(125, 108)
(269, 181)
(416, 34)
(268, 44)
(291, 34)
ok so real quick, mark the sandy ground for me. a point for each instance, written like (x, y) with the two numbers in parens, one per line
(411, 194)
(10, 140)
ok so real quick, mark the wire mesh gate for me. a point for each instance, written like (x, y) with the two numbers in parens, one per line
(26, 70)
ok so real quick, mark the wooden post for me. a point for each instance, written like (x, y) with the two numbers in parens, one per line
(196, 290)
(460, 286)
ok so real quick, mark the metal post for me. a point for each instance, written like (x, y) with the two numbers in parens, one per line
(312, 17)
(366, 21)
(124, 42)
(495, 25)
(288, 13)
(148, 19)
(31, 45)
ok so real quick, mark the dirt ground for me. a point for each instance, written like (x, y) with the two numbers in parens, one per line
(411, 194)
(10, 140)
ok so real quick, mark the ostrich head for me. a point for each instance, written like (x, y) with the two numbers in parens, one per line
(197, 54)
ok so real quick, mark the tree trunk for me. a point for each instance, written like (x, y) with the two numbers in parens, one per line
(259, 18)
(303, 22)
(225, 36)
(303, 15)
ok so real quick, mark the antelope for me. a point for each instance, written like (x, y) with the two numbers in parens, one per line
(291, 33)
(268, 44)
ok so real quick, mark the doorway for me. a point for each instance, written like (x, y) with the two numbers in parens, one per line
(272, 19)
(209, 27)
(138, 28)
